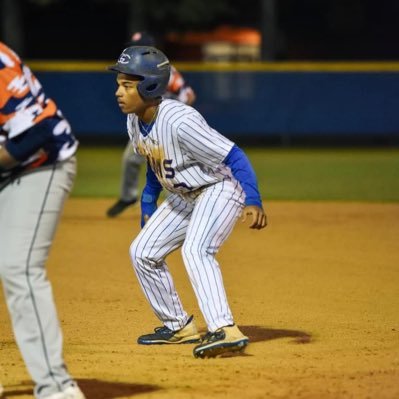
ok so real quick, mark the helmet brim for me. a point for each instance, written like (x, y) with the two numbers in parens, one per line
(117, 68)
(121, 69)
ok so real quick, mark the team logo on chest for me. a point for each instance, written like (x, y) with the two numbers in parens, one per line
(161, 166)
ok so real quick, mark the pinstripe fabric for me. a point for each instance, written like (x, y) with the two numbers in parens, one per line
(186, 155)
(212, 221)
(199, 226)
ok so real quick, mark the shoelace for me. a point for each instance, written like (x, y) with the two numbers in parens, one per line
(163, 330)
(213, 336)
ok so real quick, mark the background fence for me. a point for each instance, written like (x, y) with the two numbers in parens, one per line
(259, 101)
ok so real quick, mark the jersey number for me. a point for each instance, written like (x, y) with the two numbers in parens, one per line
(169, 171)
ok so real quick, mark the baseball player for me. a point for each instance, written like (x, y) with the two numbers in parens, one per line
(210, 181)
(37, 169)
(131, 162)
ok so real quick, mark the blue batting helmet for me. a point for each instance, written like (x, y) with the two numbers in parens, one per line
(150, 65)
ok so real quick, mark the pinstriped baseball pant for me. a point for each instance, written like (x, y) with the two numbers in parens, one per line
(29, 212)
(199, 226)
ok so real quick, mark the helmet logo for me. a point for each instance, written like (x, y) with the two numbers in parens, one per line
(124, 58)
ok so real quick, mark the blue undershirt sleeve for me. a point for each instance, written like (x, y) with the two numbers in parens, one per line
(242, 170)
(150, 195)
(152, 187)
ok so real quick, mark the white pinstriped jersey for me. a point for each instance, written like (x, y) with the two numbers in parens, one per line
(184, 152)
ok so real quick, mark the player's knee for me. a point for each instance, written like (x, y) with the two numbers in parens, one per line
(19, 277)
(134, 253)
(193, 250)
(14, 266)
(141, 255)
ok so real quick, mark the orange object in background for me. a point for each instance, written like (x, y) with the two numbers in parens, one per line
(223, 43)
(224, 33)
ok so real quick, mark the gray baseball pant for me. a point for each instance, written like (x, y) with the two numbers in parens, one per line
(30, 209)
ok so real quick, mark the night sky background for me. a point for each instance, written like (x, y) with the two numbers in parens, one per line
(305, 30)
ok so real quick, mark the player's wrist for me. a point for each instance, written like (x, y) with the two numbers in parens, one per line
(253, 201)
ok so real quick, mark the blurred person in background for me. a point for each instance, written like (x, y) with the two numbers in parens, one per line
(37, 171)
(131, 162)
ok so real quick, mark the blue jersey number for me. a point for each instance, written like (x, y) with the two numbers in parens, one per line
(164, 169)
(169, 171)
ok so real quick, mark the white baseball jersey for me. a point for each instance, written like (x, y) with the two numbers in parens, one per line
(186, 155)
(183, 150)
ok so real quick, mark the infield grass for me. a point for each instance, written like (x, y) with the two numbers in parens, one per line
(346, 174)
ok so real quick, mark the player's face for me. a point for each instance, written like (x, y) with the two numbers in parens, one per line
(129, 99)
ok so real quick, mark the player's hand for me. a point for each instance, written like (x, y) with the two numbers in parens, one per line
(147, 209)
(145, 220)
(259, 218)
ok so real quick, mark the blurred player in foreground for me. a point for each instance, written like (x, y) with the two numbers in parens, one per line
(37, 170)
(211, 183)
(131, 162)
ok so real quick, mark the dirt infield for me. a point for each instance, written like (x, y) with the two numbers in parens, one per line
(317, 292)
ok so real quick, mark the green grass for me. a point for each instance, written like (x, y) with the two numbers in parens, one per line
(283, 174)
(326, 174)
(99, 171)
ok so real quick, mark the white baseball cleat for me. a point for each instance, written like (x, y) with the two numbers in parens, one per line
(72, 392)
(1, 390)
(58, 395)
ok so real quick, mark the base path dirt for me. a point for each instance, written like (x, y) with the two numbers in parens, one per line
(317, 293)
